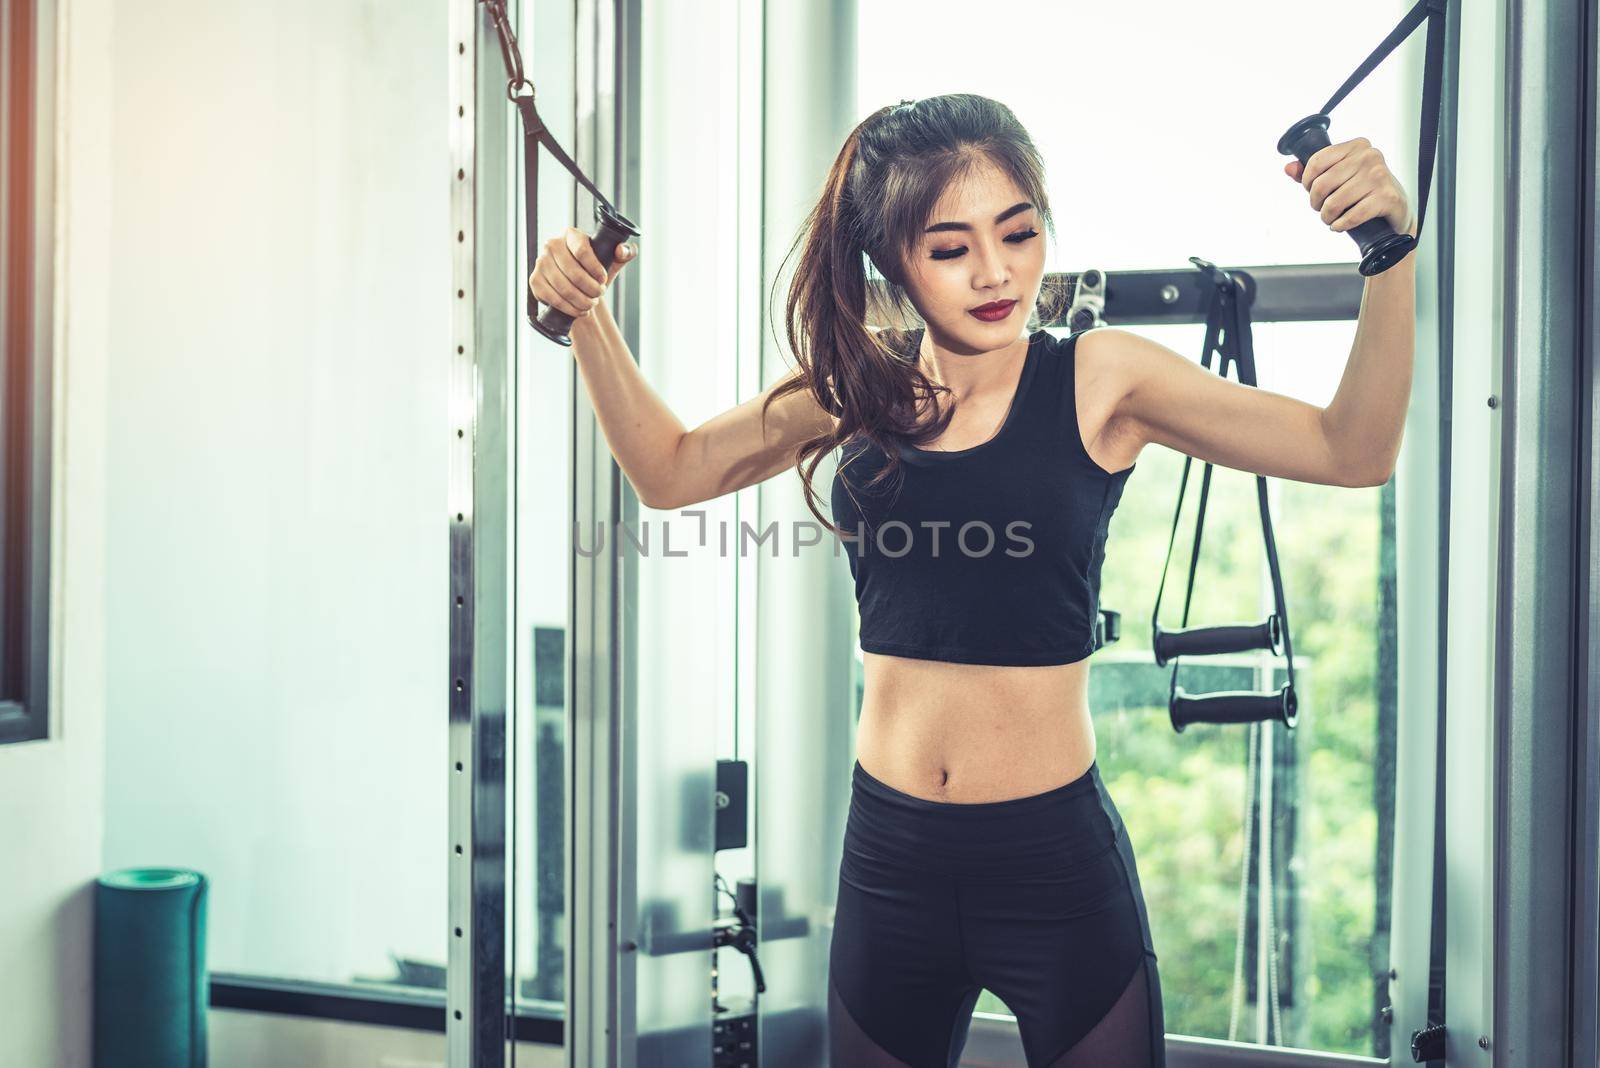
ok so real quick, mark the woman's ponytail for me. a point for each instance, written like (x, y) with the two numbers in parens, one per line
(875, 202)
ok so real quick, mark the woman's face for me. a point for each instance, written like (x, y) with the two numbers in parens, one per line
(984, 245)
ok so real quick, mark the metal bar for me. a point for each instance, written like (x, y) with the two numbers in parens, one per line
(617, 143)
(1586, 839)
(1279, 293)
(601, 938)
(1536, 657)
(491, 521)
(1188, 1052)
(478, 518)
(994, 1040)
(463, 112)
(1420, 497)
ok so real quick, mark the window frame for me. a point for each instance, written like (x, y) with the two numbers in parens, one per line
(27, 213)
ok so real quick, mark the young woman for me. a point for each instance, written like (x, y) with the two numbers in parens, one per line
(980, 464)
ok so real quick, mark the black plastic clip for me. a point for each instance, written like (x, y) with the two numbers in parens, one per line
(1428, 1043)
(1108, 627)
(1220, 278)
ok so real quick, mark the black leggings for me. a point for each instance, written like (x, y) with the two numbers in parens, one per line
(1033, 898)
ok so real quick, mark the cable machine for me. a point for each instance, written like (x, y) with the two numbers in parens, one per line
(1221, 298)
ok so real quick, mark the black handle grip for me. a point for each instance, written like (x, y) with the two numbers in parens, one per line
(1381, 248)
(1427, 1044)
(1232, 706)
(1209, 641)
(615, 228)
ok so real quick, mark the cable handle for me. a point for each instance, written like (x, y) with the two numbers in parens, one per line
(615, 228)
(1381, 247)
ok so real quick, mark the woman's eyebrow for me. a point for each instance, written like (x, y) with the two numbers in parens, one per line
(998, 219)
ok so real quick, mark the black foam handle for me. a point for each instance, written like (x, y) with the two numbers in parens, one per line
(1208, 641)
(1231, 706)
(1381, 248)
(614, 229)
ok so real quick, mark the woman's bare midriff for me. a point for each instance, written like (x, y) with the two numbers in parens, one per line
(971, 733)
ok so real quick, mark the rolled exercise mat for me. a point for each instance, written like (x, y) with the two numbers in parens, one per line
(150, 990)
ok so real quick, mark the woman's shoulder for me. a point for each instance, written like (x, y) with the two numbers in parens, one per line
(1063, 342)
(1086, 363)
(1056, 349)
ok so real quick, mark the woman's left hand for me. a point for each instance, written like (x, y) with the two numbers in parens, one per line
(1350, 183)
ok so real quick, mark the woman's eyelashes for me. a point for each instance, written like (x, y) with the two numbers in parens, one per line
(951, 253)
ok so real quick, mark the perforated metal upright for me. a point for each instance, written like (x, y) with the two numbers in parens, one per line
(478, 434)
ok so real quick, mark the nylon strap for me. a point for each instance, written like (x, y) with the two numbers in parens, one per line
(1432, 78)
(534, 133)
(1228, 334)
(1428, 129)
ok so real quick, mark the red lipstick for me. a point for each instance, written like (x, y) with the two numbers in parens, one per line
(994, 311)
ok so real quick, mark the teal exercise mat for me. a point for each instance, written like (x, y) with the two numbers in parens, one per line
(150, 990)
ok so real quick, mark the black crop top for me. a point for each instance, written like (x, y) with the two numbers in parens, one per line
(987, 555)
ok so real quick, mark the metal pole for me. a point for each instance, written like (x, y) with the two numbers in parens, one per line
(603, 931)
(478, 432)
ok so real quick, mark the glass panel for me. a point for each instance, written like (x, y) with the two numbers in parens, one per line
(1159, 123)
(276, 557)
(685, 620)
(1133, 106)
(1183, 796)
(543, 521)
(682, 624)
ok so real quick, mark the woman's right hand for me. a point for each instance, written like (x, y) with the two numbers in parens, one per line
(568, 275)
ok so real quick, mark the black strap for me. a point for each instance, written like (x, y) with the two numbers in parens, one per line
(1213, 328)
(519, 90)
(1432, 77)
(1428, 128)
(1228, 334)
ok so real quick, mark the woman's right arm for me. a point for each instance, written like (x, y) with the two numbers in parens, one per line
(669, 466)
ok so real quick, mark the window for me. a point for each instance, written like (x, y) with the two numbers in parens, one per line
(277, 553)
(1160, 146)
(26, 212)
(1183, 796)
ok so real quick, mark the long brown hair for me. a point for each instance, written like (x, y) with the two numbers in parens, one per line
(875, 204)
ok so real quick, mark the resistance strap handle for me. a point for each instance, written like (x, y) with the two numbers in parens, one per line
(1213, 641)
(1381, 247)
(614, 227)
(1232, 706)
(1227, 322)
(1432, 79)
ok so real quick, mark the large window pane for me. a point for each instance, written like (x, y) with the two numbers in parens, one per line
(1183, 796)
(1159, 122)
(545, 539)
(277, 585)
(1160, 144)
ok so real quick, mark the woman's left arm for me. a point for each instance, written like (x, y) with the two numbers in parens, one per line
(1355, 440)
